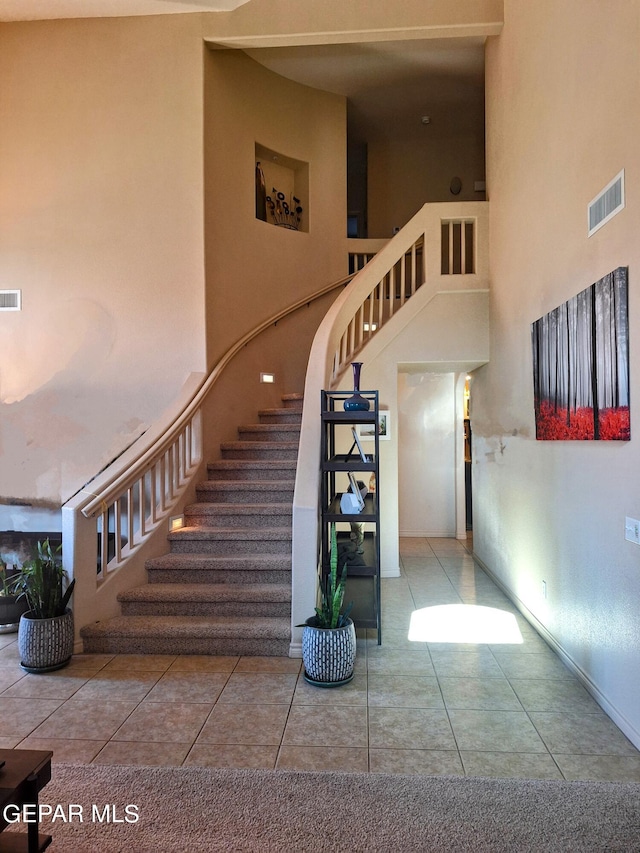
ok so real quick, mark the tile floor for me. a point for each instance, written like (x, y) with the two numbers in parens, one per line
(482, 707)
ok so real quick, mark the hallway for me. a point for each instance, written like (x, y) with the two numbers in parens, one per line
(497, 705)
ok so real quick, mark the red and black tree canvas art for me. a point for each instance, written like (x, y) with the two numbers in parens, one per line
(581, 365)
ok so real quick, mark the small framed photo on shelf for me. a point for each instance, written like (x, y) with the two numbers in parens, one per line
(366, 431)
(356, 439)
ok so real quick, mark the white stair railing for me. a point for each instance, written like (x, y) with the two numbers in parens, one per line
(395, 281)
(127, 513)
(361, 251)
(383, 285)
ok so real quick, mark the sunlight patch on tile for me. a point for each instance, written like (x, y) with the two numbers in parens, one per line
(463, 623)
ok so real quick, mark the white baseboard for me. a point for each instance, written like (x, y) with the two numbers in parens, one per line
(295, 649)
(390, 573)
(625, 726)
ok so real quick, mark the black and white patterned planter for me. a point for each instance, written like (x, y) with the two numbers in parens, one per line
(45, 644)
(328, 654)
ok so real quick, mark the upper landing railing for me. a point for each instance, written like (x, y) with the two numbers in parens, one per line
(443, 248)
(440, 243)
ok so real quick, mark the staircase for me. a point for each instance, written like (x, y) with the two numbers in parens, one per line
(225, 586)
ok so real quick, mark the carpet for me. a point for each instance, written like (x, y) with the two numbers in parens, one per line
(144, 809)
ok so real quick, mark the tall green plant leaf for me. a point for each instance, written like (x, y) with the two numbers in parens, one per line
(42, 581)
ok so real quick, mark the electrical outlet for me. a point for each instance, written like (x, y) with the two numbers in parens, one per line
(632, 530)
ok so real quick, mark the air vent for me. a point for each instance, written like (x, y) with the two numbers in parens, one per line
(10, 300)
(606, 204)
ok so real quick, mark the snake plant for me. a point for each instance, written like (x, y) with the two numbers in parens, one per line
(328, 614)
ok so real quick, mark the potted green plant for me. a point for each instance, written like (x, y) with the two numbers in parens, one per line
(45, 634)
(11, 605)
(329, 637)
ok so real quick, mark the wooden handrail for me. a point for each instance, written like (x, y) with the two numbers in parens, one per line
(115, 479)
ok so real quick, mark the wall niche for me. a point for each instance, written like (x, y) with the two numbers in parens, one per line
(282, 190)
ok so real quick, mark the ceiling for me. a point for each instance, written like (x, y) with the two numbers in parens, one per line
(37, 10)
(389, 85)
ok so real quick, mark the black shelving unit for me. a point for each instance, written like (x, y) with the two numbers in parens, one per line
(341, 456)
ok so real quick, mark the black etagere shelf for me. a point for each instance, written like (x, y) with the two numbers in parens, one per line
(343, 451)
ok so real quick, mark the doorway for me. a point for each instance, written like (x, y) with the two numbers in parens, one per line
(434, 461)
(468, 455)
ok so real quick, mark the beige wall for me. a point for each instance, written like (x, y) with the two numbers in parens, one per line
(253, 267)
(563, 118)
(101, 198)
(427, 432)
(406, 171)
(101, 227)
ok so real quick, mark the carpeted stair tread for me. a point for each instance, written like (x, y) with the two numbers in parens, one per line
(239, 534)
(260, 445)
(219, 508)
(187, 627)
(259, 449)
(254, 485)
(292, 399)
(256, 562)
(162, 592)
(238, 516)
(245, 491)
(270, 429)
(255, 464)
(265, 470)
(282, 415)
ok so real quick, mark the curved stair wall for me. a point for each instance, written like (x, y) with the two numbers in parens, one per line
(443, 249)
(134, 498)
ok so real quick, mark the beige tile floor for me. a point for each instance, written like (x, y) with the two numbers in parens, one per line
(482, 707)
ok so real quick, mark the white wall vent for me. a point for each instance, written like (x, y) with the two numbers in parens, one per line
(606, 204)
(10, 300)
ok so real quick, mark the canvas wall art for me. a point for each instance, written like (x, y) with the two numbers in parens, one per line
(581, 365)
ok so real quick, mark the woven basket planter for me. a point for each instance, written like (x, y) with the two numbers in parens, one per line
(328, 654)
(45, 644)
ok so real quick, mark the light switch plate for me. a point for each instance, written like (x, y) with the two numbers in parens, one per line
(632, 530)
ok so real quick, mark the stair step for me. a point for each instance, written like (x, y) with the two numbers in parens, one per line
(226, 568)
(268, 450)
(225, 588)
(288, 415)
(252, 469)
(238, 516)
(249, 491)
(190, 599)
(188, 635)
(221, 540)
(269, 432)
(293, 401)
